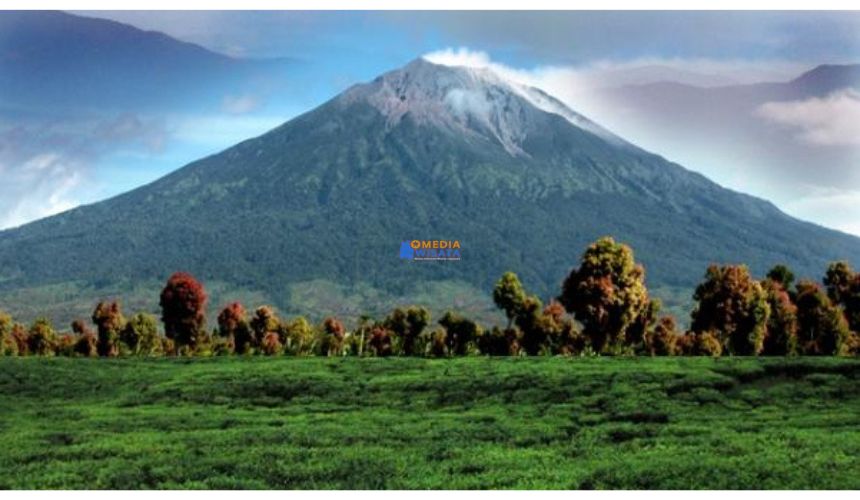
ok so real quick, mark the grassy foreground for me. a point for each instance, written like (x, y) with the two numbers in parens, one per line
(419, 423)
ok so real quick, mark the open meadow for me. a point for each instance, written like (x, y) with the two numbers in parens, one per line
(474, 422)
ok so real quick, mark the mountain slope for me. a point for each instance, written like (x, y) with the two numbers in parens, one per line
(423, 152)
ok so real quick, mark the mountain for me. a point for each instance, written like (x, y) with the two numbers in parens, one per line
(422, 152)
(51, 60)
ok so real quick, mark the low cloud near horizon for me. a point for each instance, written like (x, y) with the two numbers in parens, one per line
(829, 121)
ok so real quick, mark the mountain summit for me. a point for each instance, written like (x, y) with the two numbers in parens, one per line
(474, 102)
(422, 152)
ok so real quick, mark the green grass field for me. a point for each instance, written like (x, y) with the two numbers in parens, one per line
(417, 423)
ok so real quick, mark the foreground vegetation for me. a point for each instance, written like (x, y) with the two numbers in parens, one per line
(550, 422)
(603, 308)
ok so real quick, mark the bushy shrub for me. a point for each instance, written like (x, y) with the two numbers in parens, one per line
(223, 346)
(271, 344)
(140, 335)
(8, 346)
(41, 339)
(407, 325)
(298, 336)
(497, 342)
(663, 339)
(333, 337)
(438, 343)
(86, 344)
(66, 345)
(168, 347)
(264, 321)
(234, 332)
(381, 341)
(20, 336)
(109, 321)
(700, 344)
(460, 332)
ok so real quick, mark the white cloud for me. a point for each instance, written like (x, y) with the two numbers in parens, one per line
(839, 207)
(44, 185)
(611, 73)
(238, 105)
(830, 121)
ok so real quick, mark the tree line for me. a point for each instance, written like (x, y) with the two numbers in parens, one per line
(603, 308)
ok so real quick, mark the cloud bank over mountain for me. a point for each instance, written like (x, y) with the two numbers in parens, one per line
(826, 121)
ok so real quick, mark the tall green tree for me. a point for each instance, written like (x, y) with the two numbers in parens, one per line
(733, 306)
(606, 293)
(783, 275)
(843, 289)
(822, 328)
(509, 296)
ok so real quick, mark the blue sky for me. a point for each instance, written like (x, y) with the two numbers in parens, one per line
(567, 53)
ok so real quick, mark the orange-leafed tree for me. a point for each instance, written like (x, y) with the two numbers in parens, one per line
(334, 334)
(233, 327)
(109, 322)
(822, 328)
(732, 306)
(87, 343)
(607, 294)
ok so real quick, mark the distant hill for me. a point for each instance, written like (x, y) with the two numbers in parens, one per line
(53, 60)
(422, 152)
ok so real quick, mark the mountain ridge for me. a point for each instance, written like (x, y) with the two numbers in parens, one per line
(56, 59)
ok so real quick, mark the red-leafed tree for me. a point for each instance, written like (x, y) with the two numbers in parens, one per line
(183, 310)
